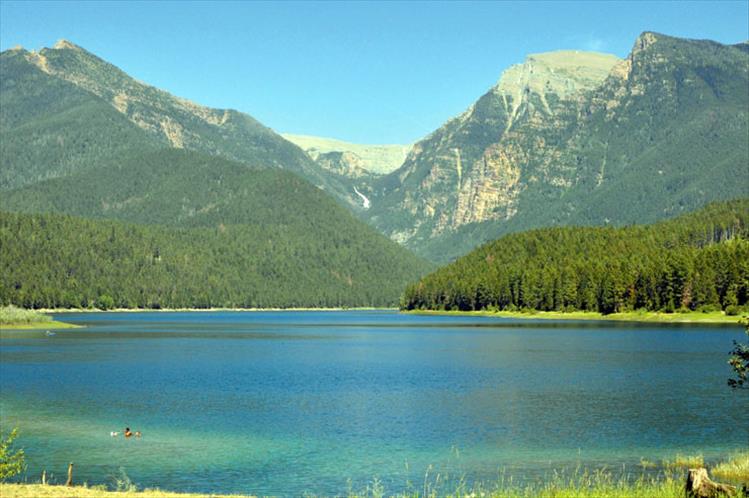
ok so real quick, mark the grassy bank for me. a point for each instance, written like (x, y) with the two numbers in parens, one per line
(631, 316)
(50, 325)
(12, 317)
(669, 483)
(642, 489)
(40, 491)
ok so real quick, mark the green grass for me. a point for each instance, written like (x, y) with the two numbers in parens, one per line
(735, 469)
(684, 462)
(577, 484)
(630, 316)
(40, 491)
(12, 317)
(52, 324)
(19, 316)
(595, 487)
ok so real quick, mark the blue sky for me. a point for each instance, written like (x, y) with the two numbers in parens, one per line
(380, 72)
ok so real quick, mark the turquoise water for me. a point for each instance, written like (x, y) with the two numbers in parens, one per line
(287, 403)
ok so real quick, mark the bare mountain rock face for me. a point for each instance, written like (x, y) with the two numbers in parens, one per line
(376, 159)
(577, 137)
(475, 167)
(358, 164)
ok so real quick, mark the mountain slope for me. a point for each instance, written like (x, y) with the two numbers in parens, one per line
(53, 260)
(657, 134)
(185, 189)
(699, 260)
(225, 235)
(52, 128)
(72, 73)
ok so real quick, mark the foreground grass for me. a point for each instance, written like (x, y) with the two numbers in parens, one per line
(684, 462)
(735, 469)
(598, 484)
(630, 316)
(41, 491)
(661, 490)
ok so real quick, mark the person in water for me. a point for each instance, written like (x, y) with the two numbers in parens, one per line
(127, 432)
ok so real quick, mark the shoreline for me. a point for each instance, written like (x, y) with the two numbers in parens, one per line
(54, 324)
(199, 310)
(716, 317)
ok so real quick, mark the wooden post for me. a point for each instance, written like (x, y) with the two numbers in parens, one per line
(70, 475)
(44, 476)
(699, 485)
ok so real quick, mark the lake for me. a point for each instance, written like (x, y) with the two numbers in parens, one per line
(287, 403)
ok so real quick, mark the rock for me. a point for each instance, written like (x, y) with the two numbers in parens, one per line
(699, 485)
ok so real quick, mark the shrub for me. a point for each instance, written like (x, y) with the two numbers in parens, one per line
(733, 310)
(105, 302)
(11, 462)
(708, 308)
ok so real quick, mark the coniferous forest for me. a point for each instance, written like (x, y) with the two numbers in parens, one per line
(697, 261)
(59, 261)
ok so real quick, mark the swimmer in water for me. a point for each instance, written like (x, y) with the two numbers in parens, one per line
(127, 432)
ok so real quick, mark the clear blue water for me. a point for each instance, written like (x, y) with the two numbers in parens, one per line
(287, 403)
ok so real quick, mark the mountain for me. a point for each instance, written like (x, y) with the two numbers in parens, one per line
(696, 261)
(372, 159)
(577, 138)
(182, 188)
(63, 109)
(175, 204)
(54, 261)
(355, 164)
(256, 237)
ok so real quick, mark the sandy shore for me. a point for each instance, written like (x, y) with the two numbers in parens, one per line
(633, 316)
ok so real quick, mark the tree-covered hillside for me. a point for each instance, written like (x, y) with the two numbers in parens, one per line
(63, 109)
(239, 237)
(694, 261)
(60, 261)
(51, 128)
(187, 189)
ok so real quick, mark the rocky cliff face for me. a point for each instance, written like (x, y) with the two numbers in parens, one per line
(572, 137)
(376, 159)
(475, 167)
(342, 163)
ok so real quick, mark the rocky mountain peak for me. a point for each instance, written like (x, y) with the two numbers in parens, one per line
(644, 41)
(62, 43)
(562, 72)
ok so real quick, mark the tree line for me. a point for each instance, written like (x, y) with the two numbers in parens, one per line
(696, 261)
(60, 261)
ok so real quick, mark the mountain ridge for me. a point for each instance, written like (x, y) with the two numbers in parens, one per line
(172, 121)
(606, 155)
